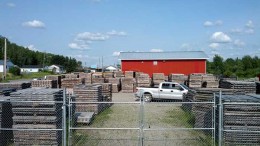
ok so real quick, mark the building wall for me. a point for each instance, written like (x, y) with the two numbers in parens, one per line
(165, 66)
(29, 69)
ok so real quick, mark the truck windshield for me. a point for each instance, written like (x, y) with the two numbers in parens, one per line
(184, 86)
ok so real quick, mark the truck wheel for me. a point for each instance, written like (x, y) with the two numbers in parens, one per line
(147, 97)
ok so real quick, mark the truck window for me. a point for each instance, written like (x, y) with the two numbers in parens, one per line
(165, 86)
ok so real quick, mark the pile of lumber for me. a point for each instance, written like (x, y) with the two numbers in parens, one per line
(71, 76)
(129, 74)
(116, 84)
(86, 76)
(108, 74)
(143, 80)
(69, 83)
(16, 85)
(195, 80)
(88, 93)
(98, 78)
(179, 78)
(106, 91)
(244, 117)
(5, 120)
(209, 81)
(44, 83)
(118, 74)
(55, 77)
(128, 85)
(37, 109)
(248, 87)
(158, 78)
(257, 87)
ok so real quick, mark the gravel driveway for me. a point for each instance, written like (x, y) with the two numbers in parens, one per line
(120, 125)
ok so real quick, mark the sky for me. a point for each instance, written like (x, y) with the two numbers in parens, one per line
(90, 30)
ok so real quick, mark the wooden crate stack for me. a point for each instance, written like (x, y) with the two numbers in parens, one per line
(88, 93)
(87, 77)
(248, 87)
(158, 78)
(243, 117)
(179, 78)
(210, 81)
(118, 74)
(5, 120)
(98, 78)
(128, 85)
(106, 91)
(71, 76)
(195, 80)
(44, 83)
(129, 74)
(16, 85)
(69, 83)
(37, 109)
(55, 77)
(116, 84)
(108, 74)
(143, 80)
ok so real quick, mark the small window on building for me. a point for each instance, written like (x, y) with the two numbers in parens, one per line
(154, 62)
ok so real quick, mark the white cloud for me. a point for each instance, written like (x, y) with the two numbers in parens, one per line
(32, 47)
(250, 31)
(210, 23)
(220, 37)
(156, 50)
(88, 36)
(34, 24)
(11, 5)
(116, 53)
(78, 46)
(239, 43)
(116, 33)
(214, 45)
(236, 30)
(250, 24)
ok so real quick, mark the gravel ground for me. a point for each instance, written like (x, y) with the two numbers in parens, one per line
(157, 117)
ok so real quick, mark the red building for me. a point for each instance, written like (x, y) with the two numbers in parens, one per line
(184, 62)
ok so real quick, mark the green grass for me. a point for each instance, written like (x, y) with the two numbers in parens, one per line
(10, 76)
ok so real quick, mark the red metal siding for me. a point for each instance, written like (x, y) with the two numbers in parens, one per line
(168, 66)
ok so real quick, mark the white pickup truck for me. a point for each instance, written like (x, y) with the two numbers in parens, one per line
(166, 90)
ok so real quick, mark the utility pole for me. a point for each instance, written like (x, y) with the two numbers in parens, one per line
(102, 63)
(4, 66)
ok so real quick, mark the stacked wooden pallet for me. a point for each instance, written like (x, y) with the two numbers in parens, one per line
(158, 78)
(195, 80)
(106, 91)
(69, 83)
(98, 78)
(248, 87)
(108, 74)
(37, 109)
(5, 120)
(128, 85)
(55, 77)
(71, 76)
(179, 78)
(116, 84)
(44, 83)
(244, 117)
(129, 74)
(88, 93)
(143, 80)
(257, 87)
(203, 111)
(87, 77)
(16, 85)
(209, 81)
(118, 74)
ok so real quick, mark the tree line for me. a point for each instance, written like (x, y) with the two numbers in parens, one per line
(246, 67)
(23, 56)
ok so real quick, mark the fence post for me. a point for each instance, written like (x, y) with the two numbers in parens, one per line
(214, 119)
(220, 122)
(141, 124)
(64, 125)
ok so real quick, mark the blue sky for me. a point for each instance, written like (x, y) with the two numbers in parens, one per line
(90, 29)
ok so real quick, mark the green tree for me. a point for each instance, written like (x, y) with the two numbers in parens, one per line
(218, 65)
